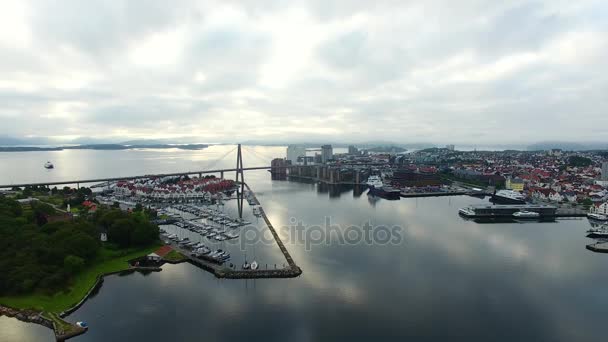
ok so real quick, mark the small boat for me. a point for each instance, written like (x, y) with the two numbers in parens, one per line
(49, 165)
(246, 265)
(468, 212)
(524, 214)
(597, 217)
(254, 265)
(83, 325)
(603, 234)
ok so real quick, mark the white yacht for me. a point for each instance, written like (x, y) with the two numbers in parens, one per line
(254, 265)
(468, 212)
(526, 214)
(597, 217)
(509, 197)
(49, 165)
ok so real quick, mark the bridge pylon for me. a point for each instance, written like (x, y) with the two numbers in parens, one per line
(239, 171)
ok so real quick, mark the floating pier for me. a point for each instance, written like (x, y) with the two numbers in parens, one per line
(598, 247)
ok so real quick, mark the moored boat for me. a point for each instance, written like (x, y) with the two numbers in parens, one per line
(597, 217)
(524, 214)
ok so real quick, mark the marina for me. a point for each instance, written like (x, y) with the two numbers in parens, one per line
(215, 226)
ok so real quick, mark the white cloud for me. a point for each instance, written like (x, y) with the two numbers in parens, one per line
(351, 70)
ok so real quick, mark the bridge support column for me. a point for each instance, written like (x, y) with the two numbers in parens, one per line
(200, 175)
(357, 177)
(222, 174)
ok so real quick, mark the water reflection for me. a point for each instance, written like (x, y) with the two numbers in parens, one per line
(448, 279)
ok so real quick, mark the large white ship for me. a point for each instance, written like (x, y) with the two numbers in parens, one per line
(509, 197)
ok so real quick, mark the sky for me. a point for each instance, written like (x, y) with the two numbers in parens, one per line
(467, 71)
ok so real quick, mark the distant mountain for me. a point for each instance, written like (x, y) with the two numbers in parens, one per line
(148, 142)
(101, 147)
(11, 141)
(567, 146)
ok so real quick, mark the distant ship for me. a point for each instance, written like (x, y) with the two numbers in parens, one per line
(49, 165)
(509, 197)
(385, 191)
(377, 188)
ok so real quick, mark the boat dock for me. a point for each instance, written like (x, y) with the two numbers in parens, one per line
(507, 210)
(219, 270)
(598, 247)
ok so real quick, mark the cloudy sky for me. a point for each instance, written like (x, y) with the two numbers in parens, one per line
(408, 71)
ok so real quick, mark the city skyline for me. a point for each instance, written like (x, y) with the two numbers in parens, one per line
(480, 72)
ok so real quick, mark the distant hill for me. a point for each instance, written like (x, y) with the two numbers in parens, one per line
(567, 146)
(11, 141)
(386, 149)
(101, 147)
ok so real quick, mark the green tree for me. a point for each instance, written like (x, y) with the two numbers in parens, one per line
(73, 264)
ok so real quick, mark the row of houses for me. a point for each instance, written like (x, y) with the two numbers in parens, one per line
(194, 188)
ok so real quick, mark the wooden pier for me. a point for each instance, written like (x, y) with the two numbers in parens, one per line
(598, 247)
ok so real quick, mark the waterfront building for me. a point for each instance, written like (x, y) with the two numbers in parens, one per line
(516, 184)
(605, 171)
(352, 150)
(410, 178)
(599, 208)
(293, 152)
(327, 153)
(278, 168)
(450, 147)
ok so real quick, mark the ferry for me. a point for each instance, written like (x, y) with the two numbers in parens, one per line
(597, 217)
(524, 214)
(49, 165)
(508, 197)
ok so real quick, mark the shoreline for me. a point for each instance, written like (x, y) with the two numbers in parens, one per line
(63, 329)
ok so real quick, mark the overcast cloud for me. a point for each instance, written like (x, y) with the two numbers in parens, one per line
(407, 71)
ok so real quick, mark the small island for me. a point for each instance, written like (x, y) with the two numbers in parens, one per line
(52, 258)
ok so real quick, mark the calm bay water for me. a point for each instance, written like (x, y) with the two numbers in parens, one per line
(446, 279)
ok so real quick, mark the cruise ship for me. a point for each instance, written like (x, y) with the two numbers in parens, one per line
(508, 197)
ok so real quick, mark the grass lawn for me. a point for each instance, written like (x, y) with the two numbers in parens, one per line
(174, 256)
(108, 260)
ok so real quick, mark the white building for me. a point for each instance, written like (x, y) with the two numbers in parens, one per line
(293, 152)
(327, 153)
(599, 208)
